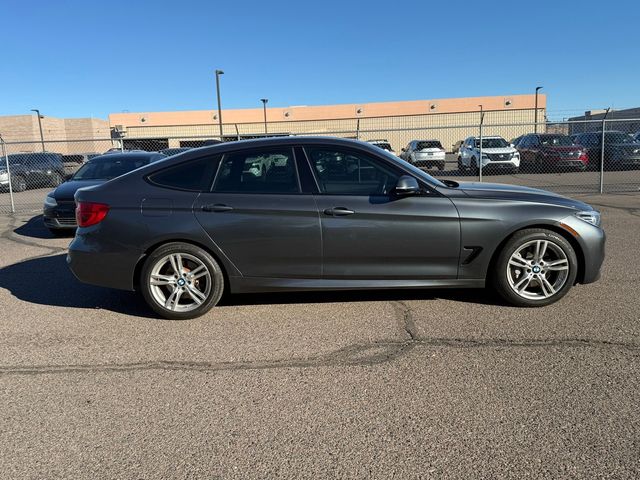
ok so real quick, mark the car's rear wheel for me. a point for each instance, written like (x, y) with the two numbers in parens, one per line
(535, 268)
(180, 281)
(461, 167)
(473, 167)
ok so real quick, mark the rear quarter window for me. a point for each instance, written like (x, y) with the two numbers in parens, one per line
(194, 175)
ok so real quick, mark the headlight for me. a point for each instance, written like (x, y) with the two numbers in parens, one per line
(590, 216)
(515, 155)
(637, 150)
(4, 176)
(49, 201)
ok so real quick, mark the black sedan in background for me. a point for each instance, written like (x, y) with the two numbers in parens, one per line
(59, 206)
(309, 213)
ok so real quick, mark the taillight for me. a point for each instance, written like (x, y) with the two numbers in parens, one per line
(89, 213)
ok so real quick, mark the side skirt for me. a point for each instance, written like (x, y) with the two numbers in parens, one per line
(260, 284)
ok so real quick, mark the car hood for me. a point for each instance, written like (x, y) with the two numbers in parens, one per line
(515, 192)
(67, 190)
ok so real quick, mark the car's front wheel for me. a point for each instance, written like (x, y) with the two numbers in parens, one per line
(180, 281)
(535, 268)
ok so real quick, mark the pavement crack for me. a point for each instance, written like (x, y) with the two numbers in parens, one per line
(351, 355)
(406, 318)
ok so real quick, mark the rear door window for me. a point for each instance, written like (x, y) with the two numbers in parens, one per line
(195, 175)
(258, 171)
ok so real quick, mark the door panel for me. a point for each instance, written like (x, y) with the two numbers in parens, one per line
(389, 237)
(258, 218)
(264, 235)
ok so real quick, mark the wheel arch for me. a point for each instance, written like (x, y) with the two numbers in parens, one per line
(137, 271)
(552, 227)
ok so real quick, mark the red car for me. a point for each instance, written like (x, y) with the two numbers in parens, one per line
(547, 151)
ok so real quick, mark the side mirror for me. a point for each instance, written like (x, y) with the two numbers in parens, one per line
(406, 185)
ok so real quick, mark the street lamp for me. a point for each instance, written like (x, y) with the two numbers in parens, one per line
(218, 73)
(40, 117)
(264, 109)
(535, 118)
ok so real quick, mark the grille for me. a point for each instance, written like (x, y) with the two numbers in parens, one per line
(499, 157)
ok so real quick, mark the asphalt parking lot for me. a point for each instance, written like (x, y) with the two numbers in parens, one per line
(412, 384)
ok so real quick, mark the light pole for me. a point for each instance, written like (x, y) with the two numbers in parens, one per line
(40, 125)
(218, 73)
(535, 118)
(264, 109)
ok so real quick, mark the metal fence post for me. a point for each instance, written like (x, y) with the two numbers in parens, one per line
(480, 159)
(357, 129)
(604, 122)
(6, 161)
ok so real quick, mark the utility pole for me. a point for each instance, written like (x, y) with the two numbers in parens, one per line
(535, 118)
(264, 109)
(40, 125)
(218, 73)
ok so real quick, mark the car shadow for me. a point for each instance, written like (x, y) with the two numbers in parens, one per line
(48, 281)
(34, 228)
(471, 295)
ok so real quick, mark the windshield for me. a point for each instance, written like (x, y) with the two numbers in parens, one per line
(552, 140)
(108, 168)
(492, 143)
(428, 144)
(617, 137)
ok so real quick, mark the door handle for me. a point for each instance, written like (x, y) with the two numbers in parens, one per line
(216, 207)
(338, 211)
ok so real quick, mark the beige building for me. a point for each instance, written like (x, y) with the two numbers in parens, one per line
(61, 135)
(448, 120)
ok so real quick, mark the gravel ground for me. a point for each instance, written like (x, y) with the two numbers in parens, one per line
(412, 384)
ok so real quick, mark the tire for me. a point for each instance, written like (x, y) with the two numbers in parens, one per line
(441, 166)
(176, 297)
(461, 167)
(473, 167)
(536, 293)
(18, 183)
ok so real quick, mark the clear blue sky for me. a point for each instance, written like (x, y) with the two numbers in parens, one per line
(90, 58)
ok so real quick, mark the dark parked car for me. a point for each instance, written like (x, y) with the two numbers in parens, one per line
(620, 149)
(547, 151)
(32, 170)
(174, 151)
(59, 206)
(309, 213)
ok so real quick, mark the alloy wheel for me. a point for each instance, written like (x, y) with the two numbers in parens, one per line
(538, 269)
(180, 282)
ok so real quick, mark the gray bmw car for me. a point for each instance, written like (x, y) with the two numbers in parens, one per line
(308, 213)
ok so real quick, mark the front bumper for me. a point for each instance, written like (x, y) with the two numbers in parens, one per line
(62, 216)
(592, 241)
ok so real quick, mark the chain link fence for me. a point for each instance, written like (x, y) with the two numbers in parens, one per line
(585, 156)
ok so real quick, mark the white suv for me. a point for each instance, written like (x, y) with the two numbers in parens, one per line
(497, 154)
(424, 153)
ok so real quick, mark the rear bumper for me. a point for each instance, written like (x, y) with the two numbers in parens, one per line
(103, 264)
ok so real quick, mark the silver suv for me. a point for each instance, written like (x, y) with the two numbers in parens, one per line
(424, 153)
